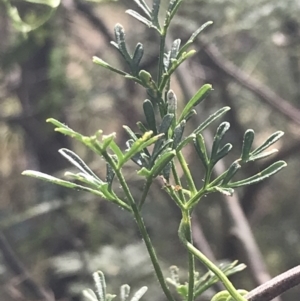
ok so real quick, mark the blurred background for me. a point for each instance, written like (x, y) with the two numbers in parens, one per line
(51, 238)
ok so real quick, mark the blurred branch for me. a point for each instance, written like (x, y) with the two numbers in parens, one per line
(17, 267)
(262, 91)
(275, 286)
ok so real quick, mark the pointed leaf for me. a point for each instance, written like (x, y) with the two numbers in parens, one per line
(266, 173)
(210, 119)
(143, 5)
(77, 162)
(150, 115)
(247, 144)
(195, 100)
(139, 17)
(131, 134)
(57, 181)
(102, 63)
(271, 140)
(141, 127)
(194, 36)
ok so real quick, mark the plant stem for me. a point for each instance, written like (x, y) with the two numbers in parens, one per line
(191, 259)
(187, 173)
(143, 230)
(211, 266)
(161, 56)
(178, 182)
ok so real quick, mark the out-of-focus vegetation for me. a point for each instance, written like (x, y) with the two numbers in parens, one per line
(250, 55)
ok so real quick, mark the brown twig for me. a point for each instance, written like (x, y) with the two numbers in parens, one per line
(262, 91)
(276, 286)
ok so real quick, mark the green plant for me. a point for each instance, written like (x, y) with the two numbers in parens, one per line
(155, 148)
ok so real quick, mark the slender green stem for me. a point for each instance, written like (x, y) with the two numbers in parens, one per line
(145, 192)
(191, 259)
(142, 229)
(187, 173)
(211, 266)
(161, 56)
(178, 182)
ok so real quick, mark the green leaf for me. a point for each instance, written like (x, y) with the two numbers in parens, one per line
(194, 36)
(247, 144)
(221, 130)
(120, 37)
(166, 123)
(150, 115)
(162, 161)
(139, 294)
(221, 153)
(124, 292)
(185, 141)
(139, 17)
(200, 147)
(223, 190)
(210, 119)
(175, 49)
(131, 134)
(139, 145)
(172, 102)
(178, 132)
(57, 181)
(232, 170)
(195, 100)
(77, 162)
(102, 63)
(262, 155)
(154, 13)
(266, 173)
(116, 149)
(271, 140)
(162, 145)
(141, 127)
(100, 284)
(107, 140)
(137, 56)
(143, 5)
(90, 295)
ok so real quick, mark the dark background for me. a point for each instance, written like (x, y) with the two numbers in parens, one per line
(52, 239)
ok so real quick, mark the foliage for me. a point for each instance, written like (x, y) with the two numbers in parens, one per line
(156, 149)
